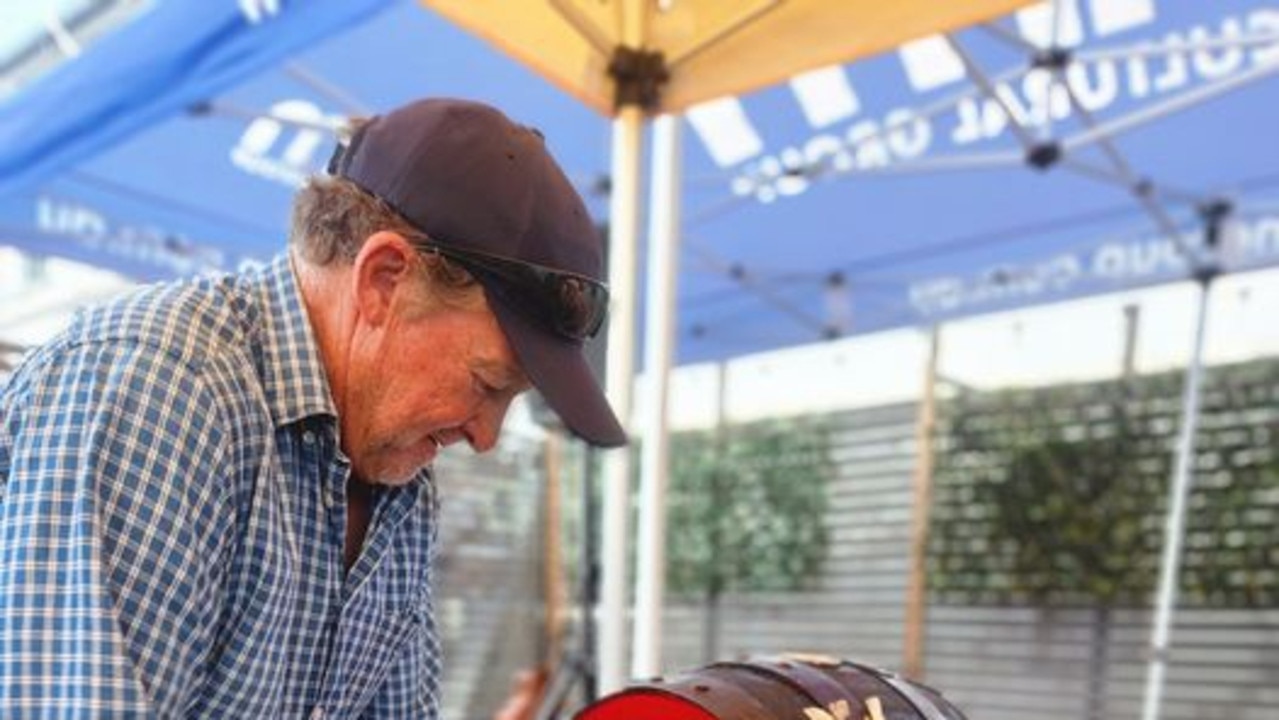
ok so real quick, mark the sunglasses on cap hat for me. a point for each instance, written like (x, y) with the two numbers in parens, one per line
(570, 305)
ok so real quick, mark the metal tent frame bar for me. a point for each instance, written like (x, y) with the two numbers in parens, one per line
(1041, 147)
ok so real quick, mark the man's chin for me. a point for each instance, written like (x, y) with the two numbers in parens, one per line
(392, 474)
(396, 478)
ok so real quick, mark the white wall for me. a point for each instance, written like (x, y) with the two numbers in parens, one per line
(1070, 341)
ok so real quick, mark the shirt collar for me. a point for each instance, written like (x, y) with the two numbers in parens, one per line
(293, 375)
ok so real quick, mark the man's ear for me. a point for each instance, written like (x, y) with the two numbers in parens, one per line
(383, 267)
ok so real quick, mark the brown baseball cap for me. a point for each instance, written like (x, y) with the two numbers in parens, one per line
(489, 196)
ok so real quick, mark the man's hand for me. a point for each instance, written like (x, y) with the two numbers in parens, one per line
(526, 693)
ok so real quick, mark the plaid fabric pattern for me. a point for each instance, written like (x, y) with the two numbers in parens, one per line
(172, 517)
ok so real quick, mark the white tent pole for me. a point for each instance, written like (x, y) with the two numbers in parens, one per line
(1174, 524)
(1170, 106)
(1148, 200)
(62, 37)
(1045, 134)
(1129, 182)
(620, 375)
(1148, 48)
(624, 213)
(957, 162)
(659, 348)
(988, 88)
(329, 89)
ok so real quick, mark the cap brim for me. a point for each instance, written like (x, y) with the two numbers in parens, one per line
(559, 370)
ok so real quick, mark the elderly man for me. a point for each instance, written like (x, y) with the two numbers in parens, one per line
(214, 499)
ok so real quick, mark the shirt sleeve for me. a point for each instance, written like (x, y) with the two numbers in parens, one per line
(111, 533)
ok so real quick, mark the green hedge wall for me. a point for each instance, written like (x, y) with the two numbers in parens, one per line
(1057, 496)
(748, 513)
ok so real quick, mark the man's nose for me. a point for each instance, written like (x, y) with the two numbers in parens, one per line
(483, 429)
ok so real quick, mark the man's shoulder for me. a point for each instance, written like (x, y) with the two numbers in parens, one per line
(194, 321)
(224, 334)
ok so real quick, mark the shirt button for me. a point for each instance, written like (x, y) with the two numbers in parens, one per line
(317, 713)
(308, 438)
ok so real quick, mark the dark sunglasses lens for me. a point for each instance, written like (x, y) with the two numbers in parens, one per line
(569, 305)
(579, 305)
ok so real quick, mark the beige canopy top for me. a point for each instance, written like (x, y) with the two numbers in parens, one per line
(708, 48)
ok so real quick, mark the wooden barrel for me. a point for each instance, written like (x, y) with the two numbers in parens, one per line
(793, 687)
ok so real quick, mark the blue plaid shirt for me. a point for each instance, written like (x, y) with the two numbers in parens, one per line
(172, 520)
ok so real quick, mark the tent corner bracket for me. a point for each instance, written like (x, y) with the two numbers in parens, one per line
(639, 76)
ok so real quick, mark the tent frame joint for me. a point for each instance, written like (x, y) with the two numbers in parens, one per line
(1043, 155)
(1055, 59)
(639, 76)
(1214, 213)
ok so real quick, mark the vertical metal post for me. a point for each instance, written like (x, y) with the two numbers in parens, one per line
(712, 620)
(917, 588)
(659, 349)
(620, 374)
(589, 591)
(1174, 527)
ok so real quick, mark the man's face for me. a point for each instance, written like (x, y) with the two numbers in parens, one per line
(424, 375)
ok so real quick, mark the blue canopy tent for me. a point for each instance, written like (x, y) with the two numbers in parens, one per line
(802, 214)
(174, 144)
(912, 187)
